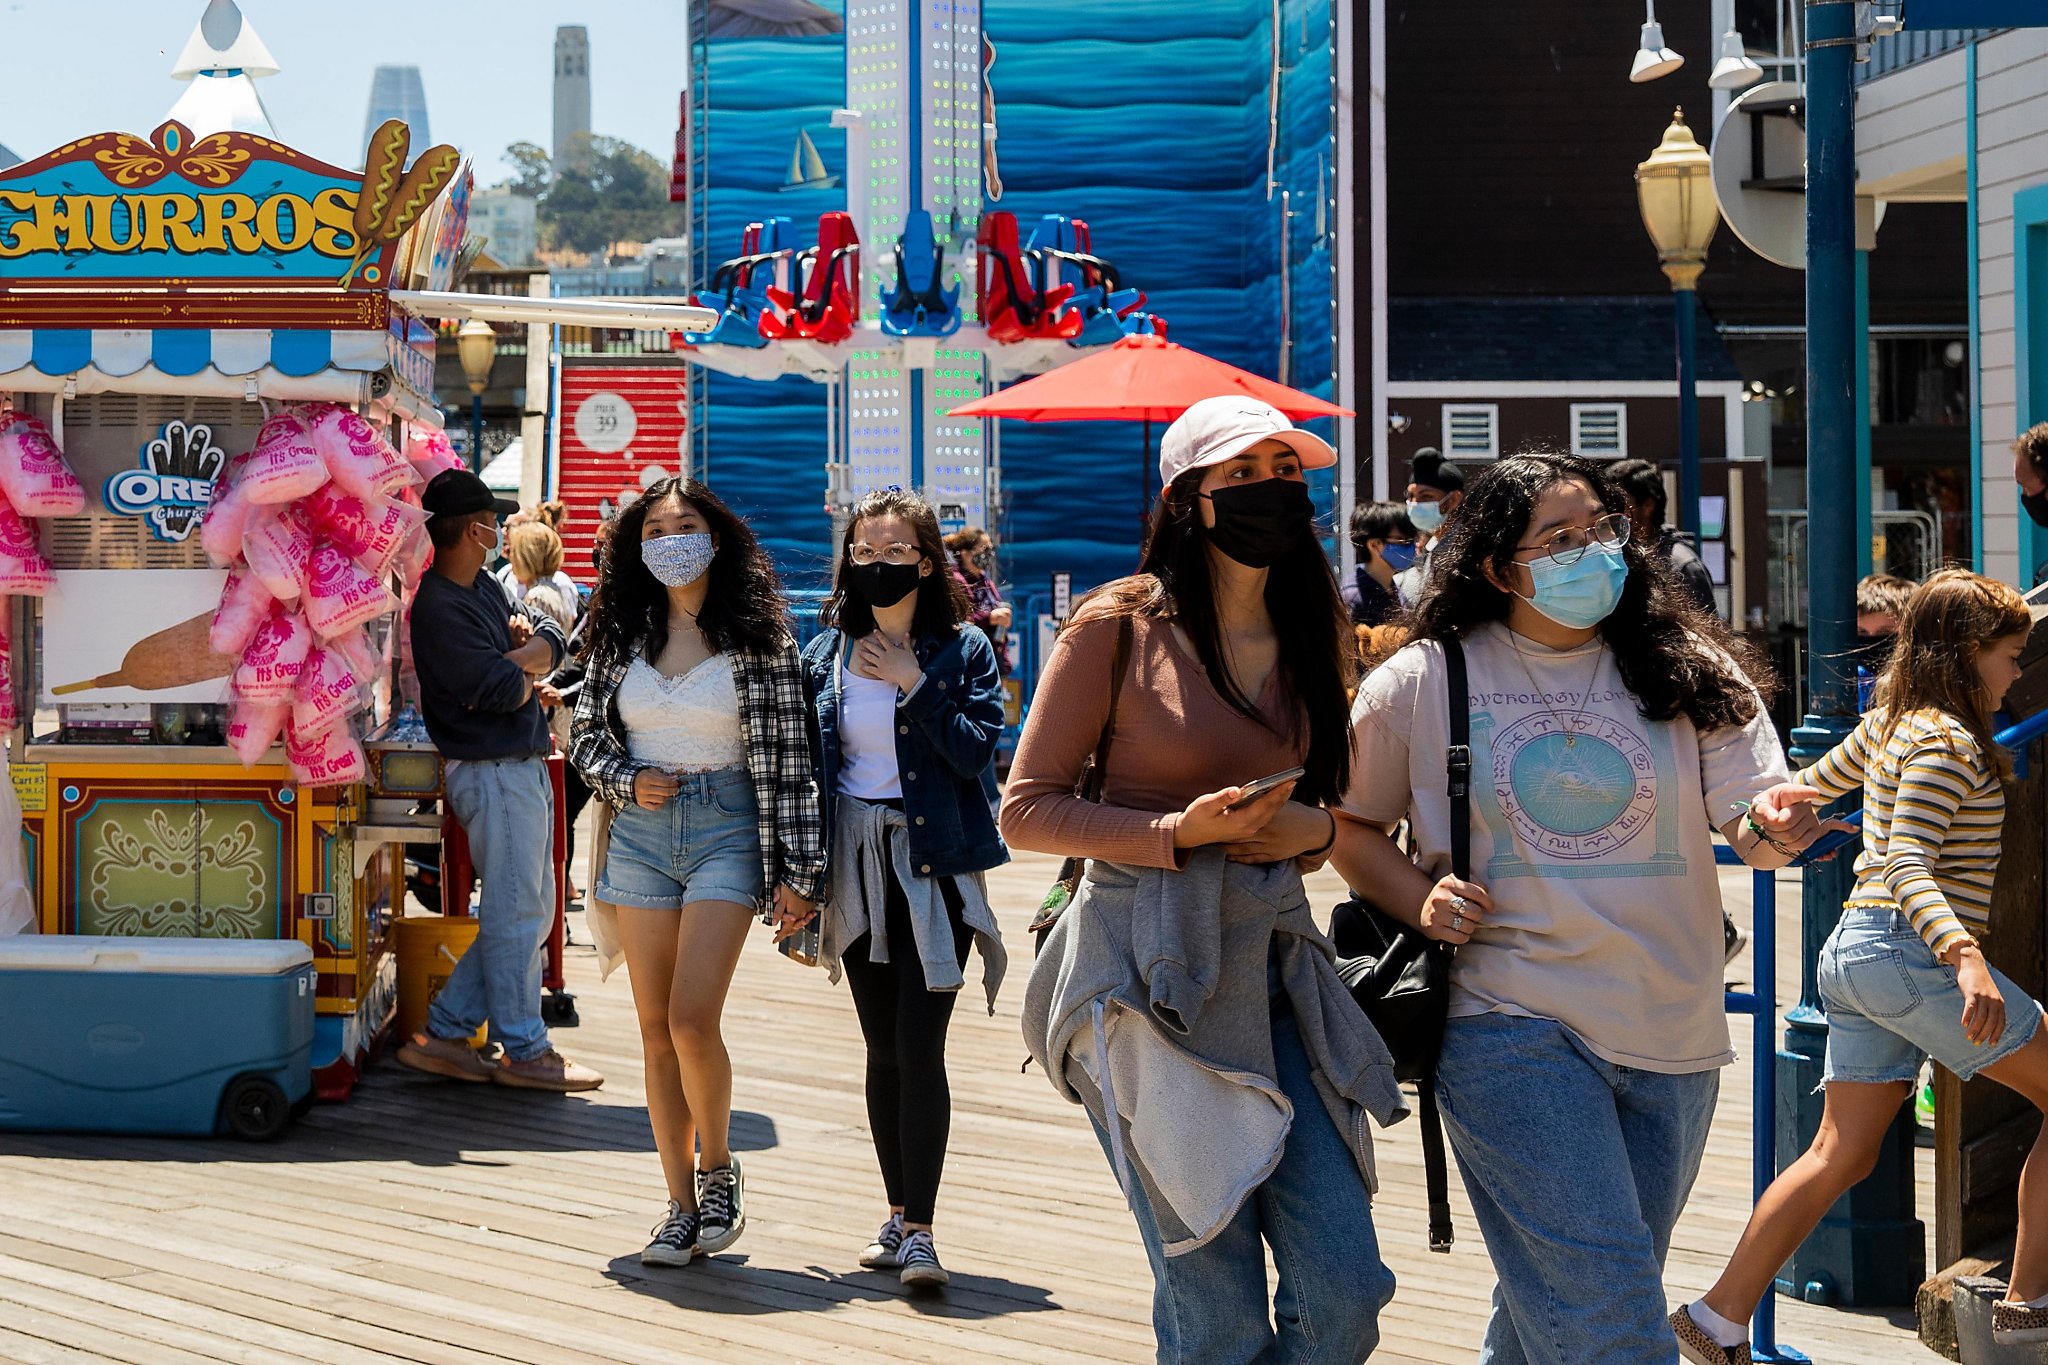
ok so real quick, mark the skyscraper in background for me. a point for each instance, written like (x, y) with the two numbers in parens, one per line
(397, 93)
(572, 87)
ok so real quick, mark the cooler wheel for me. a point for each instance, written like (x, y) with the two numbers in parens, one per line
(558, 1009)
(255, 1108)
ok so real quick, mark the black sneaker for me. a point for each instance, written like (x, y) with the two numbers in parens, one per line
(920, 1261)
(1733, 940)
(885, 1252)
(674, 1239)
(721, 1207)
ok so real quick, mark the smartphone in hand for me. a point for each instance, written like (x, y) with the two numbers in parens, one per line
(1252, 791)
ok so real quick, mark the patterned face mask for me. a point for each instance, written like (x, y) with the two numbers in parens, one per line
(678, 561)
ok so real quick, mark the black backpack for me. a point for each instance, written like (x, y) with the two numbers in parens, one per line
(1401, 977)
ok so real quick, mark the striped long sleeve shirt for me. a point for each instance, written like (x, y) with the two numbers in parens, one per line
(1932, 811)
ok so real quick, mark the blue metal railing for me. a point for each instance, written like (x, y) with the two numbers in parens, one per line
(1761, 1005)
(1897, 51)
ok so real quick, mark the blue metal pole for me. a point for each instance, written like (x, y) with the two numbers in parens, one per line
(1869, 1249)
(476, 432)
(1688, 420)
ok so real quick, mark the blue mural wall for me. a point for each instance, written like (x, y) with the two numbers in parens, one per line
(1155, 130)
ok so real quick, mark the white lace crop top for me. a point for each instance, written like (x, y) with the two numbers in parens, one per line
(689, 723)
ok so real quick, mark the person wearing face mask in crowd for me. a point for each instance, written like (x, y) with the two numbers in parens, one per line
(1186, 987)
(910, 706)
(478, 656)
(974, 565)
(1385, 541)
(694, 727)
(1880, 604)
(1436, 489)
(1612, 732)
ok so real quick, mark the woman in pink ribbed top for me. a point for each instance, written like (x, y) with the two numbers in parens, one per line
(1236, 669)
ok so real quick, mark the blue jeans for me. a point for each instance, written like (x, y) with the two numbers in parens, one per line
(1578, 1170)
(506, 807)
(1891, 1002)
(1209, 1307)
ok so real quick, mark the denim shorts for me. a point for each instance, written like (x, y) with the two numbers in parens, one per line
(1890, 1002)
(704, 845)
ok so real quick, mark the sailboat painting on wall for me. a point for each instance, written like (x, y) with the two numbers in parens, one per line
(806, 167)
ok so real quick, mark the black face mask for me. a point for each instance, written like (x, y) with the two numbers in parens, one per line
(1257, 524)
(1874, 651)
(884, 585)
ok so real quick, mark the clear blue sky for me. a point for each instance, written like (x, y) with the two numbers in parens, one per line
(87, 66)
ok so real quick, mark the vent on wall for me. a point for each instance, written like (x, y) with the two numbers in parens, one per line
(1600, 430)
(1471, 431)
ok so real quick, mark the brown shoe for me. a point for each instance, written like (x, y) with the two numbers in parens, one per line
(549, 1071)
(450, 1057)
(1696, 1346)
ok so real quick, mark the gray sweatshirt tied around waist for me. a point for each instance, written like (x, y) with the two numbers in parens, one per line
(1151, 1002)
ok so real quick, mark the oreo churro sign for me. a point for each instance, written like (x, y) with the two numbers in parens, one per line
(180, 466)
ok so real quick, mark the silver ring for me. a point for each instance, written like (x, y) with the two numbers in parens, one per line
(1459, 905)
(1458, 923)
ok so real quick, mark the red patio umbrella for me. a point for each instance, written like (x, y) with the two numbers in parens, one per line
(1141, 378)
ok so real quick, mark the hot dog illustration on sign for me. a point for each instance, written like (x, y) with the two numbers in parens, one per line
(175, 483)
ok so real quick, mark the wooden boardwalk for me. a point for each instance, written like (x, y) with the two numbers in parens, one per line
(430, 1222)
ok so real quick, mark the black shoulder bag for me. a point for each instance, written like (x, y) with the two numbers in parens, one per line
(1089, 788)
(1400, 976)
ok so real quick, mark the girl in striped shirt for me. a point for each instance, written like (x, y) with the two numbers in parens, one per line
(1902, 975)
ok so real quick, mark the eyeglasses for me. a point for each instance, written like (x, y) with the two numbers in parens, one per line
(1569, 545)
(898, 553)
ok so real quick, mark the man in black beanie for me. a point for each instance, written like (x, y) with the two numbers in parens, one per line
(1436, 489)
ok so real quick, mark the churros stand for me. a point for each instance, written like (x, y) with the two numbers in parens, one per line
(182, 317)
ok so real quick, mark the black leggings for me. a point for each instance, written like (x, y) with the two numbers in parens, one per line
(910, 1105)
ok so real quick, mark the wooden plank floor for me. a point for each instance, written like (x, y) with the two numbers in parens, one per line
(426, 1221)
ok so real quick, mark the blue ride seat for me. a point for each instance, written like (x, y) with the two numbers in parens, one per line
(919, 305)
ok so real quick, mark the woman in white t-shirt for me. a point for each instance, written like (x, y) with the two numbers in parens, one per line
(1612, 734)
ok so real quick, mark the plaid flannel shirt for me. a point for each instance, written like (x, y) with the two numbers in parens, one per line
(776, 724)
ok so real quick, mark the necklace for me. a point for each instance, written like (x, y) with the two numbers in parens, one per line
(1571, 731)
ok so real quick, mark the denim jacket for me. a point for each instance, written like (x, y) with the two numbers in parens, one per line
(946, 733)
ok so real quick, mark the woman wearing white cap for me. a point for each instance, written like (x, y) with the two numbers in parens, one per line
(1185, 997)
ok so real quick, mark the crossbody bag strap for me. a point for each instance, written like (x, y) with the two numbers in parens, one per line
(1458, 786)
(1120, 659)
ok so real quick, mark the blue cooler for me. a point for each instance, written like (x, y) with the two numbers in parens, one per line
(174, 1036)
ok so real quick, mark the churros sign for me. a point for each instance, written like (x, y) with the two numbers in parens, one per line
(116, 213)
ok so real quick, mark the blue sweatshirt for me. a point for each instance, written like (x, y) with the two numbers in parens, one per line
(475, 701)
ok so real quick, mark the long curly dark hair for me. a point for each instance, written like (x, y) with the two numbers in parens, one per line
(1674, 657)
(744, 607)
(1316, 641)
(942, 602)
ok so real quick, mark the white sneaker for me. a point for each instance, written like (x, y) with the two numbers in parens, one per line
(920, 1260)
(674, 1239)
(721, 1207)
(885, 1252)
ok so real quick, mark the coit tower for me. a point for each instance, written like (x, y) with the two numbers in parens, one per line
(572, 87)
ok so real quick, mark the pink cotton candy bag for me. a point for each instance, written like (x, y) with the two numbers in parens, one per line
(33, 473)
(330, 760)
(326, 695)
(244, 604)
(273, 660)
(370, 532)
(340, 596)
(360, 460)
(279, 549)
(254, 726)
(23, 570)
(282, 466)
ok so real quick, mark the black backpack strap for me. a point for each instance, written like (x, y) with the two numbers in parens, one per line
(1458, 758)
(1458, 785)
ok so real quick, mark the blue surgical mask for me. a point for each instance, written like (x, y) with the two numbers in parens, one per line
(1427, 517)
(1581, 594)
(678, 561)
(1400, 555)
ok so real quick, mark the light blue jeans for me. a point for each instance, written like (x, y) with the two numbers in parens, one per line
(1210, 1306)
(1578, 1170)
(506, 807)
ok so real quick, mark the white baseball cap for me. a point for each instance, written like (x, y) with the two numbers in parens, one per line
(1222, 428)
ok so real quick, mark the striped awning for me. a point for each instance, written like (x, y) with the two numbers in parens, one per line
(310, 364)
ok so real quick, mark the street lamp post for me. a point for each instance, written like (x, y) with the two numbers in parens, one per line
(477, 346)
(1675, 190)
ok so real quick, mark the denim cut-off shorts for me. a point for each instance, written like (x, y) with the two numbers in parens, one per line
(704, 845)
(1890, 1002)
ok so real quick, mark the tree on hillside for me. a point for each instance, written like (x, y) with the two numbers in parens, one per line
(607, 191)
